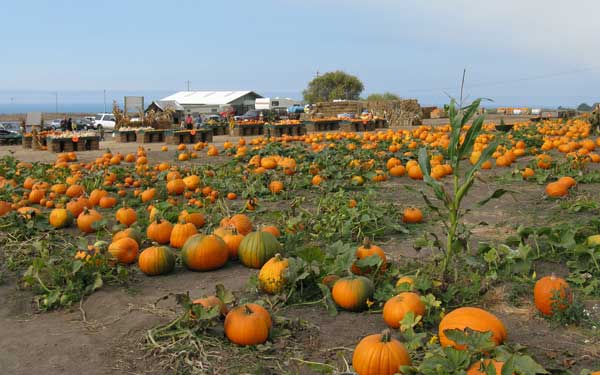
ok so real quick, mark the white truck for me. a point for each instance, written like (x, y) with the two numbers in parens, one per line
(276, 104)
(105, 120)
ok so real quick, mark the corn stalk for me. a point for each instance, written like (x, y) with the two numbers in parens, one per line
(462, 183)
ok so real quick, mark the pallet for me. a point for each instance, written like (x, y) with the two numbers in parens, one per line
(27, 141)
(219, 130)
(281, 130)
(68, 145)
(357, 126)
(151, 136)
(127, 136)
(321, 126)
(190, 136)
(245, 130)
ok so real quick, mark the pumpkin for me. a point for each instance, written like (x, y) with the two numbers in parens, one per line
(567, 181)
(60, 218)
(412, 215)
(556, 190)
(233, 242)
(191, 182)
(74, 191)
(76, 207)
(86, 220)
(180, 233)
(352, 292)
(379, 354)
(129, 232)
(545, 292)
(195, 218)
(222, 232)
(147, 195)
(247, 325)
(257, 248)
(36, 195)
(276, 187)
(480, 367)
(407, 281)
(204, 253)
(240, 222)
(271, 229)
(29, 212)
(270, 277)
(108, 202)
(398, 306)
(156, 260)
(126, 216)
(176, 186)
(5, 207)
(211, 301)
(160, 231)
(124, 250)
(95, 197)
(367, 250)
(474, 318)
(330, 280)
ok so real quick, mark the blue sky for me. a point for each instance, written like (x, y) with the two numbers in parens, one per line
(528, 52)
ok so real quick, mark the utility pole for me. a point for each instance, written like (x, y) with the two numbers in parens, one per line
(104, 100)
(188, 85)
(56, 101)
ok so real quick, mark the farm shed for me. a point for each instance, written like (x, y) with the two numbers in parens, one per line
(161, 105)
(207, 102)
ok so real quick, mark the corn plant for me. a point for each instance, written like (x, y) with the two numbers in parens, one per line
(458, 149)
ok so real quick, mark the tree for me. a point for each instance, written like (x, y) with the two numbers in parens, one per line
(384, 96)
(331, 86)
(584, 107)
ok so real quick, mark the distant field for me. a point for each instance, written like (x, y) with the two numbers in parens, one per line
(46, 116)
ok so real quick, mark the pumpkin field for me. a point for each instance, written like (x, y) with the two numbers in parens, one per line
(450, 249)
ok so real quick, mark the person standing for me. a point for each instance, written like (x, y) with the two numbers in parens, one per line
(189, 122)
(70, 125)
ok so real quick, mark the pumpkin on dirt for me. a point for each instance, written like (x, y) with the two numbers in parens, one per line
(124, 250)
(129, 232)
(351, 293)
(556, 190)
(367, 250)
(480, 367)
(86, 220)
(126, 216)
(180, 233)
(380, 354)
(412, 215)
(160, 231)
(107, 202)
(204, 253)
(474, 318)
(551, 293)
(241, 223)
(210, 302)
(60, 218)
(156, 260)
(176, 186)
(271, 278)
(257, 248)
(398, 306)
(248, 325)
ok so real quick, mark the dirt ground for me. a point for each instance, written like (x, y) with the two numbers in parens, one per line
(105, 334)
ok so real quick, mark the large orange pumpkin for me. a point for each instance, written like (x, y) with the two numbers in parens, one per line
(367, 250)
(180, 233)
(204, 253)
(176, 186)
(380, 354)
(240, 222)
(60, 218)
(86, 220)
(247, 325)
(474, 318)
(398, 306)
(195, 218)
(126, 216)
(160, 231)
(352, 292)
(124, 250)
(545, 292)
(156, 260)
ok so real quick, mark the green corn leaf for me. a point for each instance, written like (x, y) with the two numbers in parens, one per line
(467, 146)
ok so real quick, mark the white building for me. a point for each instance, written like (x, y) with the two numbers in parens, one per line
(275, 103)
(207, 102)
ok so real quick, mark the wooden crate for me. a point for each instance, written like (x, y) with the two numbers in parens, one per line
(127, 136)
(68, 145)
(152, 136)
(246, 130)
(190, 136)
(281, 130)
(321, 126)
(27, 141)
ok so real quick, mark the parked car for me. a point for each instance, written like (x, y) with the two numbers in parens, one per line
(254, 114)
(7, 133)
(105, 120)
(55, 124)
(84, 124)
(12, 126)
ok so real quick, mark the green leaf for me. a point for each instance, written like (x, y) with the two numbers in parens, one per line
(97, 282)
(226, 296)
(495, 195)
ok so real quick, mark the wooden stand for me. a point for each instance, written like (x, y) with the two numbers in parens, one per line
(151, 136)
(321, 126)
(244, 130)
(281, 130)
(357, 126)
(127, 136)
(67, 144)
(219, 129)
(190, 136)
(27, 141)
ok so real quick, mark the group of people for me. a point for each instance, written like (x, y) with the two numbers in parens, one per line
(67, 124)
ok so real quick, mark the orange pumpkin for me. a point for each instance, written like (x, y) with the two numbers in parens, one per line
(160, 231)
(180, 233)
(86, 220)
(176, 186)
(124, 250)
(380, 354)
(412, 215)
(474, 318)
(107, 202)
(156, 260)
(545, 292)
(351, 293)
(240, 222)
(126, 216)
(398, 306)
(210, 302)
(247, 325)
(204, 253)
(480, 367)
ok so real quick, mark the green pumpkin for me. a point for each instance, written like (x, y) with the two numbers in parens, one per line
(156, 260)
(257, 248)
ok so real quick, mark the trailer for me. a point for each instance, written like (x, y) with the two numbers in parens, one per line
(276, 104)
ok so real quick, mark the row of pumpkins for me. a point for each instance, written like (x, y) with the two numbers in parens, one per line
(250, 324)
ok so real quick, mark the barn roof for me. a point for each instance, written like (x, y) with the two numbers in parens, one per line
(207, 97)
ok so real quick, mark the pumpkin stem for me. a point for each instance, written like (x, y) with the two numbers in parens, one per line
(386, 335)
(367, 243)
(247, 309)
(278, 257)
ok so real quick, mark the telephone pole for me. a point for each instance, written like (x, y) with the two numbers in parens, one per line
(56, 101)
(105, 101)
(188, 85)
